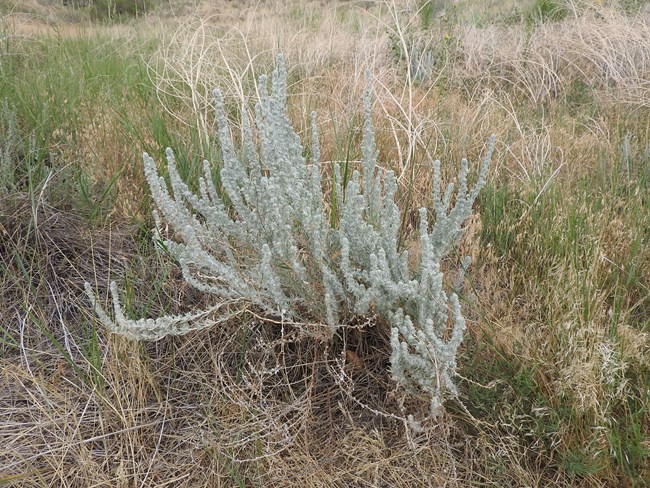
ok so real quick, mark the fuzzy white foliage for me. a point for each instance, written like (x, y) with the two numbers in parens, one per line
(267, 238)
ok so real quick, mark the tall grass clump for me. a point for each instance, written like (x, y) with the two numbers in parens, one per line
(264, 236)
(557, 49)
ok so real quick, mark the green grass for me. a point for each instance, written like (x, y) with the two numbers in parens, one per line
(548, 11)
(552, 245)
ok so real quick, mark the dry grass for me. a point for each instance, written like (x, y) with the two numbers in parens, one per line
(600, 49)
(246, 403)
(594, 63)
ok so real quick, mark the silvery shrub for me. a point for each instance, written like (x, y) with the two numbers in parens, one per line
(267, 236)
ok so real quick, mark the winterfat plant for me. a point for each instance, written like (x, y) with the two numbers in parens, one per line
(264, 236)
